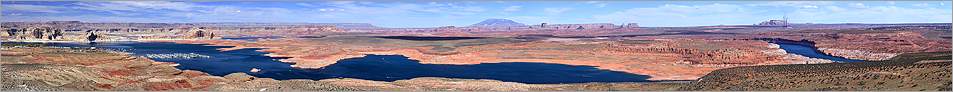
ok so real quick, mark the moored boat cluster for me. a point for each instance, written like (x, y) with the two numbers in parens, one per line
(177, 56)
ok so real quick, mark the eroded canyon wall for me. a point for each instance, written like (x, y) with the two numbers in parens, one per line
(80, 31)
(873, 43)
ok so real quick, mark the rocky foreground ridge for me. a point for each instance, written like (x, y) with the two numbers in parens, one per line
(928, 71)
(874, 44)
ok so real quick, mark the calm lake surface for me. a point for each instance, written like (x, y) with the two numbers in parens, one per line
(371, 67)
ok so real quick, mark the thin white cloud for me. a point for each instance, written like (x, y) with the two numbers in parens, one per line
(33, 8)
(874, 14)
(809, 6)
(531, 20)
(858, 5)
(835, 9)
(921, 5)
(801, 4)
(599, 4)
(305, 4)
(473, 9)
(664, 15)
(342, 2)
(137, 5)
(556, 10)
(512, 8)
(88, 18)
(180, 6)
(406, 8)
(714, 14)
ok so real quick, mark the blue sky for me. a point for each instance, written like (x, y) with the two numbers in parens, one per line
(463, 13)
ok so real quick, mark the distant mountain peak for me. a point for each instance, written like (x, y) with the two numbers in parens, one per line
(498, 23)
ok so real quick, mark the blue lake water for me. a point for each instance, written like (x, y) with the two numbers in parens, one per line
(371, 67)
(807, 49)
